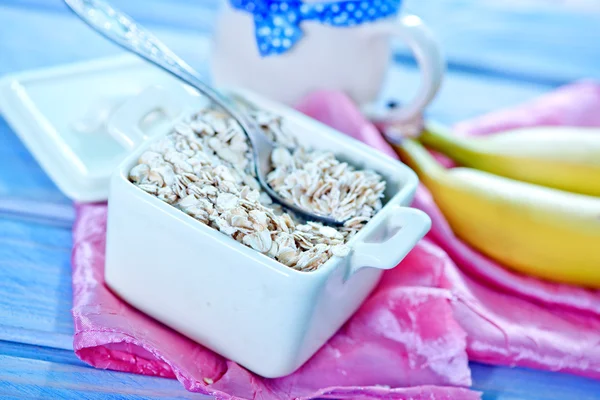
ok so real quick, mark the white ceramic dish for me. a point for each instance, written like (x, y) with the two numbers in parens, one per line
(242, 304)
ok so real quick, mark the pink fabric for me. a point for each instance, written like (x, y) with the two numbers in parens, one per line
(402, 336)
(442, 302)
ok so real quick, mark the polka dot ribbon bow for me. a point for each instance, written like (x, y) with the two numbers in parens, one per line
(277, 22)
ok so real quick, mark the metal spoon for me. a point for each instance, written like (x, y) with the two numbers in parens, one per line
(124, 31)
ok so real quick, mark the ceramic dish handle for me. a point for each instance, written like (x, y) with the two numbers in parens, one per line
(411, 224)
(125, 123)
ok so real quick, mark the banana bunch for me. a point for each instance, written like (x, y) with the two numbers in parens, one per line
(566, 158)
(528, 198)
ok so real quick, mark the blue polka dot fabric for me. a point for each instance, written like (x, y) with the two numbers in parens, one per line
(278, 22)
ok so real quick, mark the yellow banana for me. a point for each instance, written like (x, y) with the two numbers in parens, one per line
(539, 231)
(566, 158)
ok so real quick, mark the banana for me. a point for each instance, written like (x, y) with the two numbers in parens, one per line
(539, 231)
(566, 158)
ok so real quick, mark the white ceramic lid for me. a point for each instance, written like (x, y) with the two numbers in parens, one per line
(62, 115)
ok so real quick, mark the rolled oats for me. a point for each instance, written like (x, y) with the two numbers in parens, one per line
(204, 168)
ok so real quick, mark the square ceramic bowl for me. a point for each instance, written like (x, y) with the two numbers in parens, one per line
(232, 299)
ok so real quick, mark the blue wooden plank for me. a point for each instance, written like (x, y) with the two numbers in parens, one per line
(14, 234)
(501, 383)
(30, 378)
(42, 353)
(36, 208)
(62, 38)
(35, 283)
(496, 383)
(527, 40)
(179, 14)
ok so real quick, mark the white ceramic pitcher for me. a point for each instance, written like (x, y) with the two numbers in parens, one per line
(353, 58)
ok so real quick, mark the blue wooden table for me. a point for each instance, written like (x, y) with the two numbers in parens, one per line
(500, 53)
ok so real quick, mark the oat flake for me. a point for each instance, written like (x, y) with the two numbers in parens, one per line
(204, 168)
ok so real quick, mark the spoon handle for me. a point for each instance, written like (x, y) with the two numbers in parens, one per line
(121, 29)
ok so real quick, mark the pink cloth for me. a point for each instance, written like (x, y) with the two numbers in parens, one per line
(442, 302)
(401, 336)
